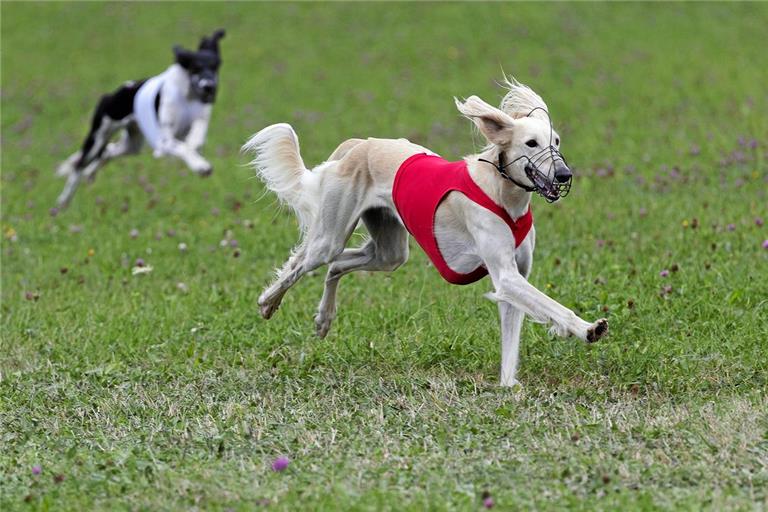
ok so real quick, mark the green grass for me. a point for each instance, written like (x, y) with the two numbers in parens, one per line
(141, 395)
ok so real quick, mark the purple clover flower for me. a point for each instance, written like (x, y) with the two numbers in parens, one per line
(664, 273)
(280, 463)
(36, 470)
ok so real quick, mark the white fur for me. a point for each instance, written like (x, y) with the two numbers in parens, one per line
(520, 100)
(279, 164)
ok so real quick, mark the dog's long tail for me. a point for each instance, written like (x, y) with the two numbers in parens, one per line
(278, 163)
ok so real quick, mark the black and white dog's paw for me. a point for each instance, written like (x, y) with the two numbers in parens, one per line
(202, 167)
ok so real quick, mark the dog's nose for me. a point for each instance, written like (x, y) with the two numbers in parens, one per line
(562, 173)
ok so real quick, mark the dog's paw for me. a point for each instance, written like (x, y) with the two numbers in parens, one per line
(267, 310)
(202, 167)
(206, 171)
(322, 325)
(597, 331)
(513, 384)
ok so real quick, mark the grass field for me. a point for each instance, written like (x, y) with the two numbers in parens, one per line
(168, 391)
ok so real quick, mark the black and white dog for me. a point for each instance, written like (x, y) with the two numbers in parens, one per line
(170, 111)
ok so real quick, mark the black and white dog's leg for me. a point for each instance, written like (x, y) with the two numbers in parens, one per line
(199, 129)
(68, 166)
(184, 150)
(186, 154)
(102, 129)
(129, 143)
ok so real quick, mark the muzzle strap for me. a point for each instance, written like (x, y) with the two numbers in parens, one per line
(501, 167)
(548, 188)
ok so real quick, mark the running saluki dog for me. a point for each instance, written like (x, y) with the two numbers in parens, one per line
(471, 217)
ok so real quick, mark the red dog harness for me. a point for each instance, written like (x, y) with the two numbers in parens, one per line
(420, 185)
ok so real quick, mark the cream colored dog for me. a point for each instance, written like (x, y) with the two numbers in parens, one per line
(356, 184)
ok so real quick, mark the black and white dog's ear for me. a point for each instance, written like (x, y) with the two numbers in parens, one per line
(183, 57)
(212, 43)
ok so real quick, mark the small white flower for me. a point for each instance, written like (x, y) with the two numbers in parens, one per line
(141, 270)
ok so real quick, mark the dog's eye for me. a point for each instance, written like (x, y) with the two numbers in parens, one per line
(531, 143)
(557, 141)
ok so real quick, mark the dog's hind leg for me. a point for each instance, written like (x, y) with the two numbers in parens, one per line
(339, 210)
(344, 148)
(129, 143)
(67, 167)
(90, 156)
(73, 180)
(385, 251)
(311, 254)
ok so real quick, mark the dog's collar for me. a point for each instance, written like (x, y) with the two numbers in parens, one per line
(500, 167)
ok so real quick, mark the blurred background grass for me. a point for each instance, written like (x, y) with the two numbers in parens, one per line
(662, 109)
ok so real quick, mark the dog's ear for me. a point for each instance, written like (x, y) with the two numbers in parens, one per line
(494, 124)
(212, 43)
(183, 57)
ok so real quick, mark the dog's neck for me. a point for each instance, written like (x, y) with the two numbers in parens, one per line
(505, 193)
(179, 77)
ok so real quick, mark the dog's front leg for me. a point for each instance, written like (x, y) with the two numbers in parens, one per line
(515, 290)
(199, 129)
(170, 145)
(495, 245)
(511, 324)
(182, 151)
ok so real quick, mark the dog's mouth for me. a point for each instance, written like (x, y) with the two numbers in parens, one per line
(551, 186)
(550, 189)
(207, 95)
(205, 90)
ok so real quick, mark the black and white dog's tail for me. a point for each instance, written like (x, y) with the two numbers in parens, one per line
(277, 161)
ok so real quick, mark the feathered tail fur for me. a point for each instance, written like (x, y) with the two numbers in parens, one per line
(278, 163)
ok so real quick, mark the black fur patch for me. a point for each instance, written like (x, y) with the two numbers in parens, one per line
(119, 104)
(116, 105)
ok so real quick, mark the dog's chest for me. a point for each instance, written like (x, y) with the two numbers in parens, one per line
(184, 114)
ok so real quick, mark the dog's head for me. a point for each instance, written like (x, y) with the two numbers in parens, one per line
(527, 145)
(202, 66)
